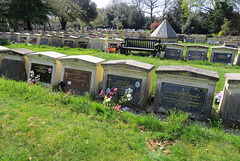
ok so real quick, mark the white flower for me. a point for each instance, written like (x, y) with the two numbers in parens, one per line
(108, 99)
(129, 97)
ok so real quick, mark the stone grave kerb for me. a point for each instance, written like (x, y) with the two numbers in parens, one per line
(20, 54)
(229, 104)
(49, 58)
(197, 48)
(223, 50)
(191, 78)
(85, 63)
(135, 72)
(174, 46)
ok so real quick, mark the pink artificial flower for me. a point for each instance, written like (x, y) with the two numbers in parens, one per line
(118, 108)
(115, 89)
(101, 93)
(111, 97)
(111, 93)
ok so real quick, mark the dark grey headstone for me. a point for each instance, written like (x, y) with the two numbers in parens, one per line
(14, 69)
(186, 98)
(82, 44)
(23, 39)
(45, 72)
(173, 53)
(44, 41)
(222, 57)
(123, 83)
(69, 43)
(196, 55)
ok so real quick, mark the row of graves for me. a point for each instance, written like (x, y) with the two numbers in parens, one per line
(81, 39)
(228, 41)
(219, 54)
(185, 88)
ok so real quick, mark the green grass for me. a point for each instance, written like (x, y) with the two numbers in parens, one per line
(38, 124)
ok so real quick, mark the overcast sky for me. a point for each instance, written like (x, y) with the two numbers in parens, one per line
(101, 3)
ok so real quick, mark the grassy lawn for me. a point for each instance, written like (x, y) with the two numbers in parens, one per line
(38, 124)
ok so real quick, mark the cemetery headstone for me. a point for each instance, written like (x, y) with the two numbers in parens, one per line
(47, 65)
(15, 63)
(34, 39)
(46, 39)
(185, 88)
(124, 74)
(237, 59)
(100, 43)
(190, 39)
(82, 73)
(229, 106)
(57, 41)
(173, 51)
(231, 44)
(201, 39)
(196, 52)
(222, 54)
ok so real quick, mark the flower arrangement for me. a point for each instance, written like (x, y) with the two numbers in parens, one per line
(111, 99)
(218, 97)
(33, 80)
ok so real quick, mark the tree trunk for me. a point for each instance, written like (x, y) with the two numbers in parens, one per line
(29, 26)
(63, 23)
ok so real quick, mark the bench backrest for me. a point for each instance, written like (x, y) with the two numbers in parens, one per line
(141, 43)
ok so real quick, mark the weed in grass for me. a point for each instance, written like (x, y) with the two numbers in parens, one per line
(175, 123)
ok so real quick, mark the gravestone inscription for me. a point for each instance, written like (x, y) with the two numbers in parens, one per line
(33, 40)
(45, 72)
(172, 53)
(222, 57)
(82, 44)
(14, 69)
(77, 80)
(123, 83)
(44, 41)
(69, 43)
(196, 55)
(186, 98)
(23, 39)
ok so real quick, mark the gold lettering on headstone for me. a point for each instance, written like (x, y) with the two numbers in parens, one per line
(41, 69)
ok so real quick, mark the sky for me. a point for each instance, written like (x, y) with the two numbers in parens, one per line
(101, 3)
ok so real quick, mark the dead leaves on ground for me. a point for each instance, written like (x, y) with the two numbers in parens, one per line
(156, 145)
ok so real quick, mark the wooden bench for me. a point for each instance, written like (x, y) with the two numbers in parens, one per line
(147, 45)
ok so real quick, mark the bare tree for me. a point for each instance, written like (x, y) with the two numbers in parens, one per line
(151, 6)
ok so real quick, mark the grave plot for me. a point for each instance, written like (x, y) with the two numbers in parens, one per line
(229, 106)
(47, 65)
(196, 52)
(100, 43)
(34, 39)
(70, 41)
(15, 37)
(222, 54)
(57, 41)
(173, 51)
(124, 74)
(185, 88)
(190, 39)
(82, 43)
(201, 39)
(15, 64)
(82, 73)
(24, 38)
(231, 44)
(46, 40)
